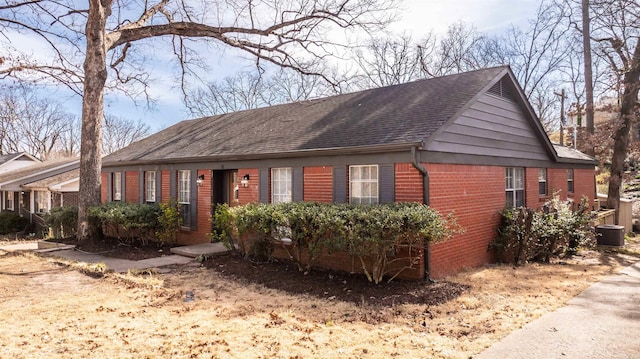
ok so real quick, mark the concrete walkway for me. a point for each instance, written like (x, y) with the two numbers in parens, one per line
(601, 322)
(186, 255)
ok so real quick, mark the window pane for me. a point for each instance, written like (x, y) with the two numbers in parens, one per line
(184, 190)
(281, 185)
(363, 184)
(519, 198)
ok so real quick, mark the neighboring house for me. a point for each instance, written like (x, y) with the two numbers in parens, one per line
(14, 161)
(35, 189)
(468, 143)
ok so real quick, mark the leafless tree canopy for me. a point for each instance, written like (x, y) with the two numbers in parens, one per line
(120, 132)
(32, 123)
(248, 90)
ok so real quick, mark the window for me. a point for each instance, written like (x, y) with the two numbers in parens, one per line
(117, 186)
(10, 200)
(570, 180)
(41, 201)
(150, 186)
(281, 185)
(363, 184)
(542, 181)
(514, 186)
(184, 195)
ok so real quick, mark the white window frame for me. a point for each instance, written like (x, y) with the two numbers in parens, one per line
(117, 186)
(150, 186)
(542, 178)
(570, 181)
(41, 201)
(184, 196)
(514, 185)
(10, 202)
(281, 185)
(364, 185)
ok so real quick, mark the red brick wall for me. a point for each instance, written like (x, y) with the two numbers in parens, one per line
(318, 184)
(104, 190)
(408, 183)
(475, 194)
(166, 186)
(201, 234)
(250, 193)
(584, 185)
(131, 190)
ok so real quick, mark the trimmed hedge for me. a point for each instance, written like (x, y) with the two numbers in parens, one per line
(307, 230)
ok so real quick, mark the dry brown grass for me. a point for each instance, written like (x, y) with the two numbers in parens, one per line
(52, 311)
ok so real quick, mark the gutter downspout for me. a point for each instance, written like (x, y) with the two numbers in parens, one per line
(425, 199)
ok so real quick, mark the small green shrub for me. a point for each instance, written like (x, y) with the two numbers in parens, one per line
(169, 222)
(62, 220)
(11, 222)
(555, 230)
(222, 226)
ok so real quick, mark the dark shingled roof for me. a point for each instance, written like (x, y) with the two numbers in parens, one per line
(400, 114)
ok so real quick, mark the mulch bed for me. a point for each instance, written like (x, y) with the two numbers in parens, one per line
(334, 285)
(285, 276)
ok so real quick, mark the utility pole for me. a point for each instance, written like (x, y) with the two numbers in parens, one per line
(562, 119)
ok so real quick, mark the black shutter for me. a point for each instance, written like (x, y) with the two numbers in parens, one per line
(340, 184)
(173, 186)
(193, 200)
(298, 184)
(158, 186)
(110, 187)
(141, 187)
(123, 187)
(263, 185)
(386, 183)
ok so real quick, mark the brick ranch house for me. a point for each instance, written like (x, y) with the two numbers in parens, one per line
(468, 143)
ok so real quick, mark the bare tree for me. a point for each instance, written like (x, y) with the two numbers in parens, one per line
(247, 90)
(120, 132)
(287, 33)
(588, 66)
(242, 91)
(388, 61)
(32, 123)
(616, 30)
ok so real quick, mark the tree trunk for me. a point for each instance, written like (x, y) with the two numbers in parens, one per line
(629, 101)
(588, 70)
(95, 75)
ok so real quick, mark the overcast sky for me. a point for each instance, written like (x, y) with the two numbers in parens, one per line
(418, 17)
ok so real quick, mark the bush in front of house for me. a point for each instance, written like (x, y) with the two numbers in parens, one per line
(62, 220)
(379, 236)
(11, 222)
(555, 230)
(127, 221)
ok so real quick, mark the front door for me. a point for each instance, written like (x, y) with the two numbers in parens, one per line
(224, 189)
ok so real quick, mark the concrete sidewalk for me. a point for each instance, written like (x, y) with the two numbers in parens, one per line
(185, 254)
(601, 322)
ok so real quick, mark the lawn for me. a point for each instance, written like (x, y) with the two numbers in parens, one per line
(50, 309)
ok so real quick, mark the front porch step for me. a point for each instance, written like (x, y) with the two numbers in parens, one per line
(204, 249)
